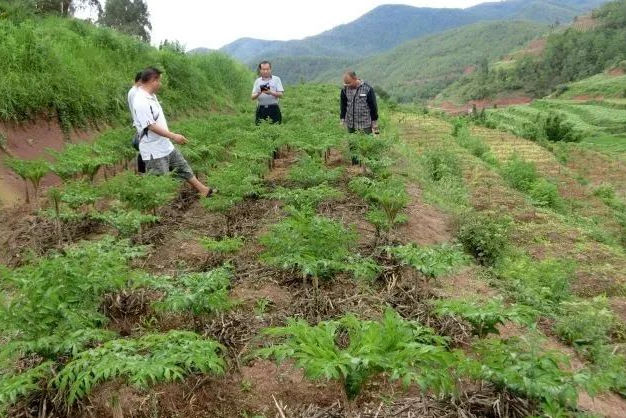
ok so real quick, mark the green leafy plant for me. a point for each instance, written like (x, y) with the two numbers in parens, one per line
(126, 222)
(205, 292)
(584, 322)
(441, 163)
(541, 284)
(62, 293)
(29, 170)
(557, 129)
(315, 245)
(140, 362)
(485, 317)
(143, 193)
(310, 197)
(522, 366)
(520, 174)
(16, 386)
(484, 236)
(79, 193)
(404, 350)
(224, 245)
(434, 261)
(388, 194)
(312, 172)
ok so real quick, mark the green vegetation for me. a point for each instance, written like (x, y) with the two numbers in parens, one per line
(142, 362)
(434, 261)
(569, 55)
(79, 74)
(405, 350)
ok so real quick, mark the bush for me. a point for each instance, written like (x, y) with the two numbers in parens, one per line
(404, 350)
(556, 129)
(541, 284)
(484, 236)
(317, 246)
(545, 194)
(441, 163)
(485, 317)
(520, 174)
(434, 261)
(141, 362)
(584, 322)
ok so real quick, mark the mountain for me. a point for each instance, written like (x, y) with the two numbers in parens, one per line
(592, 45)
(201, 51)
(420, 68)
(388, 26)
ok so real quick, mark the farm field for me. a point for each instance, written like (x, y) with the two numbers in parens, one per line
(454, 270)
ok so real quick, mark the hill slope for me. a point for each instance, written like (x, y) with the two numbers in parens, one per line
(390, 25)
(80, 73)
(592, 45)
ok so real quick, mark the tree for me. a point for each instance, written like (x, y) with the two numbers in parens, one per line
(66, 7)
(128, 16)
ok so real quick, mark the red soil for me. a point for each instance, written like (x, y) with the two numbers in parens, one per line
(30, 140)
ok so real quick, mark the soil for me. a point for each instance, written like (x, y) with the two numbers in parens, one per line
(462, 109)
(30, 140)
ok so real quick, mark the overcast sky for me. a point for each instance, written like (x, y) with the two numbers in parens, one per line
(213, 24)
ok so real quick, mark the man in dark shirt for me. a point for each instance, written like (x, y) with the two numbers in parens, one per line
(359, 111)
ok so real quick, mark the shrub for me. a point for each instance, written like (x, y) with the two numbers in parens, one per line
(434, 261)
(315, 245)
(541, 284)
(312, 172)
(520, 174)
(584, 322)
(556, 129)
(484, 236)
(404, 350)
(440, 163)
(141, 362)
(485, 317)
(303, 198)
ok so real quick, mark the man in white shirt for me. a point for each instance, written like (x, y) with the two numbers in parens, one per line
(155, 144)
(141, 166)
(267, 90)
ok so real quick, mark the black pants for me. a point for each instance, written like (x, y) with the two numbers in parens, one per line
(270, 111)
(141, 165)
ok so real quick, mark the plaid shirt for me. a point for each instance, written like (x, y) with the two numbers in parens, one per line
(358, 106)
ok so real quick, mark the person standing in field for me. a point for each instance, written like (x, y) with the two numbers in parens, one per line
(155, 138)
(267, 91)
(141, 167)
(358, 107)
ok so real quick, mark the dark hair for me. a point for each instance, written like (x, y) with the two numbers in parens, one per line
(150, 74)
(263, 62)
(138, 76)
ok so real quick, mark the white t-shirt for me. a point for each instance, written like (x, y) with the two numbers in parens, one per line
(131, 98)
(147, 111)
(275, 85)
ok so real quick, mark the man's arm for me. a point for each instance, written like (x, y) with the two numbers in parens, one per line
(178, 138)
(343, 107)
(371, 103)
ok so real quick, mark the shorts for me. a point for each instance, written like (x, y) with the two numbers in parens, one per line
(173, 162)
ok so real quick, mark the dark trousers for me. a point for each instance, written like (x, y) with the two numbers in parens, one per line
(141, 165)
(271, 112)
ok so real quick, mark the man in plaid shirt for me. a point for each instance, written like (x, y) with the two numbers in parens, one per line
(359, 111)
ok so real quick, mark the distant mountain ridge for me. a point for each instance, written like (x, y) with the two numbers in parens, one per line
(388, 26)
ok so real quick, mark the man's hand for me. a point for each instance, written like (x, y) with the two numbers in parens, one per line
(375, 129)
(342, 123)
(179, 139)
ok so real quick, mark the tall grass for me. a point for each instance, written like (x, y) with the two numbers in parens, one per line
(80, 73)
